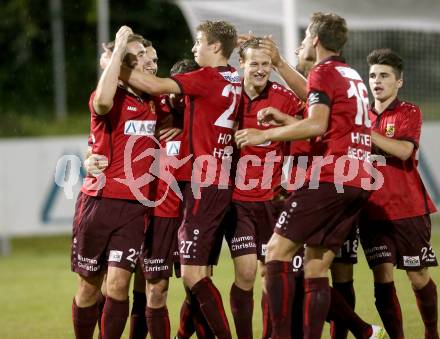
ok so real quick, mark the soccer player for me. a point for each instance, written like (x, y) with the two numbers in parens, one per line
(395, 226)
(96, 163)
(160, 250)
(254, 210)
(212, 95)
(336, 111)
(109, 222)
(160, 243)
(340, 312)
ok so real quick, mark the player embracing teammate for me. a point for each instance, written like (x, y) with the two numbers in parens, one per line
(323, 212)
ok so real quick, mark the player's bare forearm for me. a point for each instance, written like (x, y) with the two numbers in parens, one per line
(107, 84)
(148, 83)
(401, 149)
(315, 125)
(300, 130)
(293, 78)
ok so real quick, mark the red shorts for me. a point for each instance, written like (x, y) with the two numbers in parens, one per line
(106, 232)
(321, 217)
(249, 226)
(347, 254)
(403, 242)
(200, 233)
(159, 251)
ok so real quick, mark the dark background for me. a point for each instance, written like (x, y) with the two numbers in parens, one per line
(26, 76)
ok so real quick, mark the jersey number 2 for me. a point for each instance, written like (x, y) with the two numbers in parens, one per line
(223, 119)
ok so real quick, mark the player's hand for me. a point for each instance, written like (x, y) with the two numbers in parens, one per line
(95, 164)
(121, 39)
(242, 38)
(269, 46)
(104, 60)
(249, 137)
(169, 134)
(271, 116)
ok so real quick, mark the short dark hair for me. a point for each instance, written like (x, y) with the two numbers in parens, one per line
(132, 37)
(331, 29)
(184, 66)
(220, 31)
(251, 43)
(386, 56)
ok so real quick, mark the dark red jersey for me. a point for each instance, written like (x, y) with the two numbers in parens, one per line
(167, 201)
(296, 161)
(122, 135)
(403, 194)
(348, 137)
(260, 179)
(212, 97)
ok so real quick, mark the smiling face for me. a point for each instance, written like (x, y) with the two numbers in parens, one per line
(257, 67)
(136, 56)
(202, 51)
(151, 60)
(383, 82)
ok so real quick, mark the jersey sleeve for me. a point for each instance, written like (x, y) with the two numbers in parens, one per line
(320, 90)
(409, 126)
(91, 109)
(293, 105)
(194, 83)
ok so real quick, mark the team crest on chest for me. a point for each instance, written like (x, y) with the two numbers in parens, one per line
(389, 130)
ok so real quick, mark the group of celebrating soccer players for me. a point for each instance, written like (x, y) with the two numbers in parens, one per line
(178, 164)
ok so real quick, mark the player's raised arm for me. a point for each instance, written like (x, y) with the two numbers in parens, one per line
(148, 83)
(292, 77)
(106, 89)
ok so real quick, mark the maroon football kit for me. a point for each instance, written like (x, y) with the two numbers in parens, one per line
(258, 178)
(110, 220)
(160, 251)
(395, 223)
(122, 135)
(321, 213)
(211, 100)
(212, 96)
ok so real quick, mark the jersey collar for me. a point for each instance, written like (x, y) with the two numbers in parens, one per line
(339, 58)
(131, 92)
(263, 95)
(391, 107)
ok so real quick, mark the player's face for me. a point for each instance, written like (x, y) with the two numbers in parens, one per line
(303, 65)
(383, 82)
(201, 50)
(256, 66)
(151, 60)
(136, 56)
(308, 48)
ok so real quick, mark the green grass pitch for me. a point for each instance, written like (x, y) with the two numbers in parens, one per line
(36, 290)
